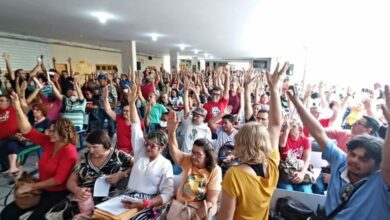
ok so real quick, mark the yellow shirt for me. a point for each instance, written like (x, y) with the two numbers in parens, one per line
(196, 182)
(253, 193)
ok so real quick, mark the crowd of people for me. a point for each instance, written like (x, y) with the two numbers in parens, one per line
(219, 140)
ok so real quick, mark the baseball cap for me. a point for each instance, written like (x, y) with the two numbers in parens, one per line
(200, 111)
(102, 76)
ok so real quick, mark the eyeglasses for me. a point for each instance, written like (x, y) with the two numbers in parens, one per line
(215, 94)
(150, 145)
(51, 130)
(361, 123)
(125, 110)
(197, 154)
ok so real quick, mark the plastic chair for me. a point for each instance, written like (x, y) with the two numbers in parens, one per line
(23, 155)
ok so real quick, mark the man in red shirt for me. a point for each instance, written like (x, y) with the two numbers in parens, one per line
(216, 103)
(8, 128)
(325, 122)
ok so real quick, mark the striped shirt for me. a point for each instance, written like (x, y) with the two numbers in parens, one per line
(74, 111)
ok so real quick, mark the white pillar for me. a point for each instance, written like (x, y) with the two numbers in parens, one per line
(174, 58)
(194, 61)
(202, 64)
(129, 56)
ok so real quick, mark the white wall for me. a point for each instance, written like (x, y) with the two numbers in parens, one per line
(85, 60)
(23, 53)
(156, 61)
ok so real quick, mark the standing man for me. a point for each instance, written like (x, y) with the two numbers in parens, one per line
(112, 100)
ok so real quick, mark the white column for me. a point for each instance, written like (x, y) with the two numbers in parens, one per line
(202, 64)
(194, 61)
(174, 58)
(129, 56)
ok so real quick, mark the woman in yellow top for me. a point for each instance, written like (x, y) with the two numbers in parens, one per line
(201, 176)
(247, 188)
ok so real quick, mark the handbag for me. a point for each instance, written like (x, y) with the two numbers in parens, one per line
(288, 167)
(178, 210)
(292, 209)
(28, 199)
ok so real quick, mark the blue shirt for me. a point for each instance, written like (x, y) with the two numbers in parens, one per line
(370, 201)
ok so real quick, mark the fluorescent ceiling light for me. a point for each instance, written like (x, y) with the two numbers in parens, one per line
(196, 51)
(154, 36)
(183, 46)
(102, 16)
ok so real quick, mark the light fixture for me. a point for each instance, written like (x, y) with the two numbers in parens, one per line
(103, 17)
(206, 55)
(196, 51)
(211, 57)
(183, 46)
(155, 36)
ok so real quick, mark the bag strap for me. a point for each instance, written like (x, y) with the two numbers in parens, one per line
(342, 204)
(9, 193)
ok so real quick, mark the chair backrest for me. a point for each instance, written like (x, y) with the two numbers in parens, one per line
(317, 161)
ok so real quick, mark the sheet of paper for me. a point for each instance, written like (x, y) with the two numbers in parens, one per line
(113, 206)
(101, 188)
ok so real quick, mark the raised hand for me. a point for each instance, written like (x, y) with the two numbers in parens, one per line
(15, 100)
(228, 110)
(274, 79)
(386, 106)
(6, 56)
(132, 95)
(187, 83)
(172, 122)
(249, 77)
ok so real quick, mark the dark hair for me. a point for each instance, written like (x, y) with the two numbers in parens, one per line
(99, 137)
(6, 96)
(372, 145)
(216, 89)
(17, 71)
(211, 156)
(160, 137)
(51, 97)
(373, 124)
(229, 117)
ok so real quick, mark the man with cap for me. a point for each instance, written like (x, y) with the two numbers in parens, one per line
(112, 100)
(192, 128)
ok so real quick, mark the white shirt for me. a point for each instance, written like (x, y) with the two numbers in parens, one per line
(150, 177)
(191, 132)
(223, 137)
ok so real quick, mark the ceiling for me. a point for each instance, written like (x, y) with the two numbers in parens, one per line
(222, 28)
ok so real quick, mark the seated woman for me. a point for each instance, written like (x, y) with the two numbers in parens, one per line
(294, 146)
(54, 167)
(202, 177)
(151, 178)
(247, 188)
(19, 142)
(100, 160)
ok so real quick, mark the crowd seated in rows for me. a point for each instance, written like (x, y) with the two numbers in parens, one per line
(163, 127)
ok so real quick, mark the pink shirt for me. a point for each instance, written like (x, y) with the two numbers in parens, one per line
(52, 111)
(341, 136)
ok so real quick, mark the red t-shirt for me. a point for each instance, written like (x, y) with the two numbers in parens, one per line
(295, 148)
(214, 108)
(123, 135)
(234, 101)
(58, 167)
(148, 89)
(325, 122)
(8, 125)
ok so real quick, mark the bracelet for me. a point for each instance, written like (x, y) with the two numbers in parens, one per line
(147, 203)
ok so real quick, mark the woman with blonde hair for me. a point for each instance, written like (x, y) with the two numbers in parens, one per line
(248, 187)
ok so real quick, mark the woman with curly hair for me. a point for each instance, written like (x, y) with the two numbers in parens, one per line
(54, 167)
